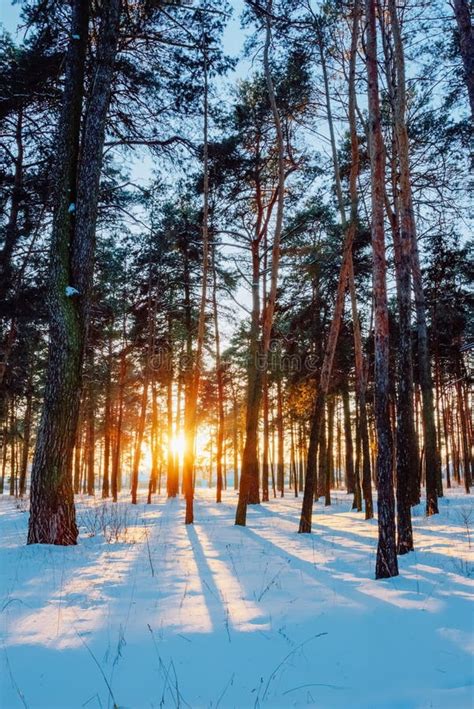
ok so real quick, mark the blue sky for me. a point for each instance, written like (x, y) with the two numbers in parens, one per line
(233, 38)
(9, 15)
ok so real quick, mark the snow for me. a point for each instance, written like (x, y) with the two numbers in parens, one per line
(146, 612)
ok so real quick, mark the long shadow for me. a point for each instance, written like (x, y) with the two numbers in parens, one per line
(326, 532)
(438, 558)
(263, 511)
(334, 569)
(217, 611)
(89, 575)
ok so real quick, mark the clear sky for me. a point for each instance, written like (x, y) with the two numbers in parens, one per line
(9, 15)
(233, 37)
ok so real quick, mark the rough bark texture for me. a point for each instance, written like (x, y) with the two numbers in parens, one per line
(52, 516)
(386, 563)
(466, 44)
(406, 453)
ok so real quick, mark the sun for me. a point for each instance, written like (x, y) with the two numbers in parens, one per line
(177, 445)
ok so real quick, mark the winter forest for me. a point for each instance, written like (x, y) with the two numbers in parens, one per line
(236, 354)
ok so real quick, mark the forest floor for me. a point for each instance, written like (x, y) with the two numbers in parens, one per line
(146, 612)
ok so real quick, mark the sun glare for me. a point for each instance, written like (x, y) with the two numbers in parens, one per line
(177, 445)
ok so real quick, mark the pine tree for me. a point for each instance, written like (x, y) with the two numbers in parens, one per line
(386, 564)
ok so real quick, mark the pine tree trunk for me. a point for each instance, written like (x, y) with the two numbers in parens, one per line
(301, 457)
(26, 438)
(349, 466)
(235, 439)
(447, 442)
(107, 422)
(293, 466)
(386, 563)
(463, 425)
(249, 479)
(329, 451)
(361, 378)
(462, 12)
(432, 461)
(4, 460)
(140, 434)
(326, 369)
(12, 447)
(11, 228)
(116, 460)
(280, 441)
(52, 514)
(194, 374)
(155, 447)
(357, 503)
(407, 453)
(322, 459)
(172, 483)
(220, 385)
(265, 386)
(90, 442)
(266, 438)
(77, 456)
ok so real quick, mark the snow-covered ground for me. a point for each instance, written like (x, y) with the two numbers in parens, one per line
(146, 612)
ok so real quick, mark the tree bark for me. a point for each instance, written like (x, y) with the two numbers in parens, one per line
(360, 369)
(406, 444)
(462, 12)
(326, 369)
(116, 461)
(155, 447)
(192, 390)
(107, 422)
(140, 434)
(26, 439)
(386, 562)
(220, 385)
(329, 467)
(90, 462)
(11, 228)
(349, 448)
(249, 487)
(52, 514)
(280, 441)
